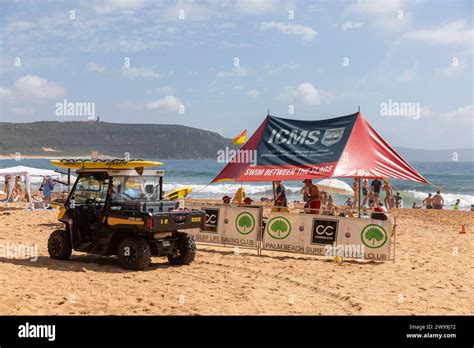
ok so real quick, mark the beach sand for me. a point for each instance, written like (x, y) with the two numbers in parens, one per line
(433, 274)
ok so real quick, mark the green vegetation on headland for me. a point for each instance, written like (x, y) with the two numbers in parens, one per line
(51, 138)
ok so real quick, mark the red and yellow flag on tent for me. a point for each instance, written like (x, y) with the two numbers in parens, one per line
(240, 139)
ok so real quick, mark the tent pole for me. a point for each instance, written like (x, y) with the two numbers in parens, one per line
(273, 188)
(360, 189)
(68, 179)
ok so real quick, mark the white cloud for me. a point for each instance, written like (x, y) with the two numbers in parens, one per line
(274, 69)
(387, 14)
(166, 90)
(457, 67)
(253, 93)
(306, 33)
(167, 103)
(32, 89)
(407, 75)
(108, 6)
(235, 72)
(461, 114)
(94, 67)
(453, 33)
(145, 72)
(348, 25)
(305, 93)
(255, 7)
(190, 11)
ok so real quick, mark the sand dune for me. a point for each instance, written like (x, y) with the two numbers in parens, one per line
(433, 274)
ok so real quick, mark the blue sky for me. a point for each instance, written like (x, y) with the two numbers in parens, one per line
(219, 65)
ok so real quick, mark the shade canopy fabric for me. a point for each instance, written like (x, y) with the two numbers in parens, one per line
(344, 147)
(335, 186)
(21, 170)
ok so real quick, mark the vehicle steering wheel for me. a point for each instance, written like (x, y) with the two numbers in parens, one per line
(92, 202)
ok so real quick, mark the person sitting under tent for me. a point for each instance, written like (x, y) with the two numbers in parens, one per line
(380, 208)
(348, 202)
(226, 199)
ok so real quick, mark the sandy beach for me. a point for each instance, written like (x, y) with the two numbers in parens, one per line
(433, 274)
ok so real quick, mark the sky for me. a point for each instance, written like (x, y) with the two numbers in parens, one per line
(220, 65)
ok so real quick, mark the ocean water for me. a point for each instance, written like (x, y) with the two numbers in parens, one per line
(454, 180)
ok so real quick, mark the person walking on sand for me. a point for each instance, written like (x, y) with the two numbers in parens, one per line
(428, 201)
(438, 201)
(388, 194)
(355, 187)
(365, 191)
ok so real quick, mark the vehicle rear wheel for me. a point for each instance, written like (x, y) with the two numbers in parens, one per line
(134, 253)
(184, 250)
(59, 245)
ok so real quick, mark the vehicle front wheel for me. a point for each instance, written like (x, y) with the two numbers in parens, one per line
(134, 253)
(59, 245)
(184, 250)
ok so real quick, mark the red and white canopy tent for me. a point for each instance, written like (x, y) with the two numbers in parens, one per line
(342, 147)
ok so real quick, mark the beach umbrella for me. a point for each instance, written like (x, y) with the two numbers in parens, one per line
(335, 186)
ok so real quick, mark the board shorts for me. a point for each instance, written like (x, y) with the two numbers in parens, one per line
(314, 207)
(429, 207)
(437, 206)
(364, 191)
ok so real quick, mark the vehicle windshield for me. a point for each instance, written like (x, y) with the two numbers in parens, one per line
(127, 188)
(91, 186)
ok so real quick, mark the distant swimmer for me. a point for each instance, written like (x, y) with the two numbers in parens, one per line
(428, 201)
(438, 200)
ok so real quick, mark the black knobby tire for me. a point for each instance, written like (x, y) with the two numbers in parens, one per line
(185, 249)
(59, 245)
(134, 253)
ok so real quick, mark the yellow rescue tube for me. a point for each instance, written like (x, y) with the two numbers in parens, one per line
(103, 164)
(176, 194)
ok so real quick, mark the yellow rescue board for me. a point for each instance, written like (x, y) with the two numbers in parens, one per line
(176, 194)
(101, 164)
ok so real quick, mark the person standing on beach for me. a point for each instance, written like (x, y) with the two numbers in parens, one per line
(398, 200)
(314, 197)
(280, 192)
(388, 194)
(456, 205)
(305, 192)
(438, 201)
(376, 184)
(365, 191)
(428, 201)
(355, 187)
